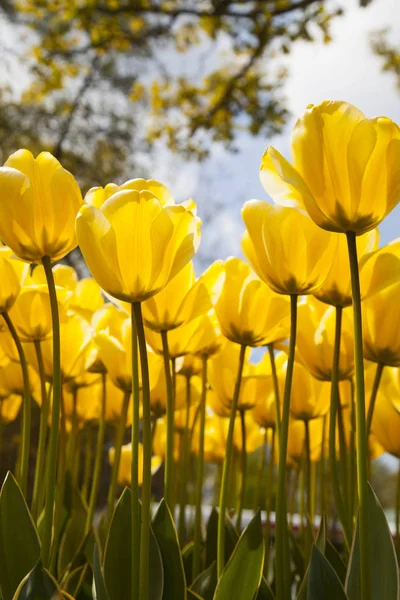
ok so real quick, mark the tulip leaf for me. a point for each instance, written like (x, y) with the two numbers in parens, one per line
(19, 540)
(38, 584)
(336, 561)
(193, 596)
(156, 575)
(117, 566)
(206, 582)
(75, 580)
(320, 543)
(384, 573)
(187, 557)
(243, 572)
(167, 540)
(265, 592)
(231, 538)
(322, 579)
(99, 586)
(74, 534)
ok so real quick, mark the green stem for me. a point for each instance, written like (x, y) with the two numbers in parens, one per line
(60, 488)
(374, 393)
(276, 390)
(87, 469)
(398, 504)
(269, 487)
(200, 474)
(281, 537)
(51, 471)
(169, 453)
(361, 431)
(242, 473)
(307, 444)
(98, 458)
(322, 480)
(135, 507)
(26, 398)
(119, 440)
(227, 467)
(44, 417)
(260, 471)
(337, 493)
(185, 467)
(352, 456)
(73, 433)
(146, 485)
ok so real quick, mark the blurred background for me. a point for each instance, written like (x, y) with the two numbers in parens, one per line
(190, 92)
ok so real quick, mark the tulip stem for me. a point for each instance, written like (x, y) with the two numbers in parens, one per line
(26, 418)
(119, 440)
(88, 451)
(146, 485)
(44, 417)
(135, 508)
(242, 472)
(276, 390)
(398, 504)
(322, 479)
(200, 474)
(281, 537)
(260, 471)
(307, 444)
(51, 470)
(352, 455)
(185, 466)
(340, 507)
(269, 485)
(98, 457)
(169, 453)
(227, 466)
(361, 431)
(374, 393)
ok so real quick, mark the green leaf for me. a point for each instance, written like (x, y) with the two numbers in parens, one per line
(74, 534)
(322, 579)
(167, 539)
(336, 561)
(156, 575)
(75, 580)
(38, 585)
(206, 582)
(242, 574)
(19, 540)
(99, 587)
(231, 538)
(297, 554)
(187, 557)
(265, 592)
(193, 596)
(320, 544)
(384, 573)
(117, 565)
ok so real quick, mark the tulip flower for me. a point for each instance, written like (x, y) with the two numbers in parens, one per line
(124, 471)
(10, 406)
(386, 417)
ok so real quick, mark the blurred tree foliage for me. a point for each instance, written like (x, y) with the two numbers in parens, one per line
(111, 78)
(388, 51)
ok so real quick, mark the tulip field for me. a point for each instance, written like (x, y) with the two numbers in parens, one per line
(171, 461)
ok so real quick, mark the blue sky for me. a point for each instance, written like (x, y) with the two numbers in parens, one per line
(345, 69)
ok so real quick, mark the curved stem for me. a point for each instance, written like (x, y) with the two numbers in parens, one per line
(374, 393)
(307, 444)
(185, 467)
(119, 440)
(26, 398)
(88, 461)
(135, 506)
(243, 472)
(227, 467)
(332, 428)
(281, 537)
(98, 457)
(146, 485)
(200, 473)
(44, 417)
(260, 471)
(276, 390)
(51, 471)
(361, 430)
(169, 453)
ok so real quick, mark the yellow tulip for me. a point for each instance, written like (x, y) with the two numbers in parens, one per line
(205, 338)
(39, 202)
(264, 412)
(336, 289)
(345, 171)
(114, 400)
(96, 196)
(254, 435)
(310, 398)
(31, 314)
(124, 471)
(381, 326)
(77, 349)
(10, 407)
(88, 402)
(285, 248)
(189, 365)
(182, 300)
(133, 245)
(386, 419)
(380, 269)
(181, 415)
(158, 393)
(214, 439)
(160, 441)
(86, 298)
(249, 312)
(11, 380)
(315, 340)
(10, 281)
(296, 440)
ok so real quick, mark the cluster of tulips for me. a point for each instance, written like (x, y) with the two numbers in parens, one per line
(144, 365)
